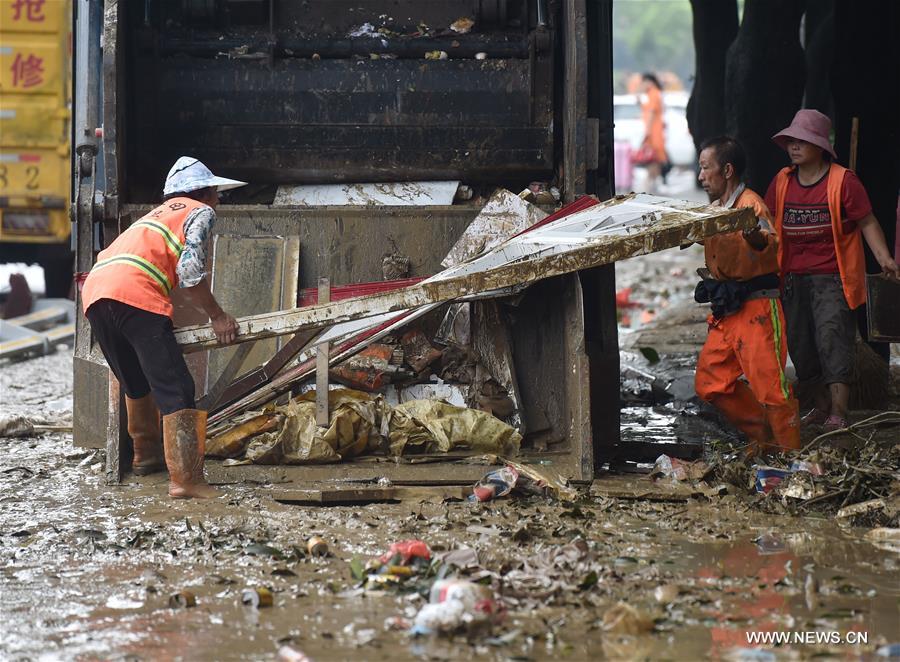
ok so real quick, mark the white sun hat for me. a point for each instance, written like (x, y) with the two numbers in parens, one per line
(189, 174)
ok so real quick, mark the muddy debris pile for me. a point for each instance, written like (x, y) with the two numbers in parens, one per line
(857, 483)
(361, 424)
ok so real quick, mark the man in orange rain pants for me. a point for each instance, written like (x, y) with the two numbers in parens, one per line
(746, 328)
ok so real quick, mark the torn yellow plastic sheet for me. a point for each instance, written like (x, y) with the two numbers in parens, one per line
(360, 423)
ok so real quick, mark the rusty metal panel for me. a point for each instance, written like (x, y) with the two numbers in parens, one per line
(251, 275)
(90, 411)
(883, 308)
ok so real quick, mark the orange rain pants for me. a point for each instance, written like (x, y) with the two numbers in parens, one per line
(751, 342)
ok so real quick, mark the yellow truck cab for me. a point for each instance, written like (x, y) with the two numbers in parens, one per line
(35, 51)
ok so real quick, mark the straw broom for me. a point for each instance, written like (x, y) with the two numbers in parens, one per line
(871, 374)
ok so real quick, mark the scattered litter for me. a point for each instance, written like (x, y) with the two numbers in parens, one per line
(316, 546)
(800, 485)
(769, 478)
(464, 193)
(666, 593)
(813, 468)
(495, 484)
(15, 426)
(679, 470)
(259, 597)
(462, 25)
(456, 604)
(454, 394)
(523, 479)
(462, 558)
(862, 508)
(436, 55)
(405, 552)
(484, 530)
(541, 194)
(123, 602)
(622, 618)
(395, 266)
(233, 442)
(770, 544)
(370, 370)
(481, 55)
(418, 351)
(182, 600)
(290, 654)
(364, 30)
(397, 624)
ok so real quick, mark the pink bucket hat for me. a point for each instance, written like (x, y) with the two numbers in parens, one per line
(809, 125)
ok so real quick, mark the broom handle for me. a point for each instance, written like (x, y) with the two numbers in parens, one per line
(854, 143)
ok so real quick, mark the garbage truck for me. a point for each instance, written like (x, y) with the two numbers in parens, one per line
(35, 40)
(484, 93)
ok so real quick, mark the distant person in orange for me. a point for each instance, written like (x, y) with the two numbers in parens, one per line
(653, 150)
(746, 328)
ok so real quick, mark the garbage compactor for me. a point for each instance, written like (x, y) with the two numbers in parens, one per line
(483, 93)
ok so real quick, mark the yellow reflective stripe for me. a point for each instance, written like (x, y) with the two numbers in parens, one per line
(176, 246)
(142, 264)
(776, 327)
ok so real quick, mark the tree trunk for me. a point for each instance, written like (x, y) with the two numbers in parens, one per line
(864, 84)
(764, 77)
(820, 51)
(715, 27)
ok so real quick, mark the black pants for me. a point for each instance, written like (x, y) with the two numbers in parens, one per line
(141, 350)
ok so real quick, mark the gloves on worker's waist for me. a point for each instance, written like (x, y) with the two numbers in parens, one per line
(727, 296)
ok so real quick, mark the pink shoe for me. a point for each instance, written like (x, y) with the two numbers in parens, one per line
(814, 417)
(833, 423)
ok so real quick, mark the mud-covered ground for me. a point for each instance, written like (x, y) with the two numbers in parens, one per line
(87, 570)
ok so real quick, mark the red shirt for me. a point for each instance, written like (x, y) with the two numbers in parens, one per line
(806, 228)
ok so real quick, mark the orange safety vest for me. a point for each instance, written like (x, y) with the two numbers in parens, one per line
(138, 268)
(848, 247)
(730, 257)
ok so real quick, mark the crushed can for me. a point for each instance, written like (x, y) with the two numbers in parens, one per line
(317, 546)
(182, 600)
(258, 597)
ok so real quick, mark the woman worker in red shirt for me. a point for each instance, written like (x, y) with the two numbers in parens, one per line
(821, 210)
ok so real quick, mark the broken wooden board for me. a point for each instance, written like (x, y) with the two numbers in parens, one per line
(624, 487)
(252, 274)
(604, 233)
(505, 214)
(345, 496)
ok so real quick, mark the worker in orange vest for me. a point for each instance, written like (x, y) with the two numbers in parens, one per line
(126, 299)
(746, 328)
(821, 211)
